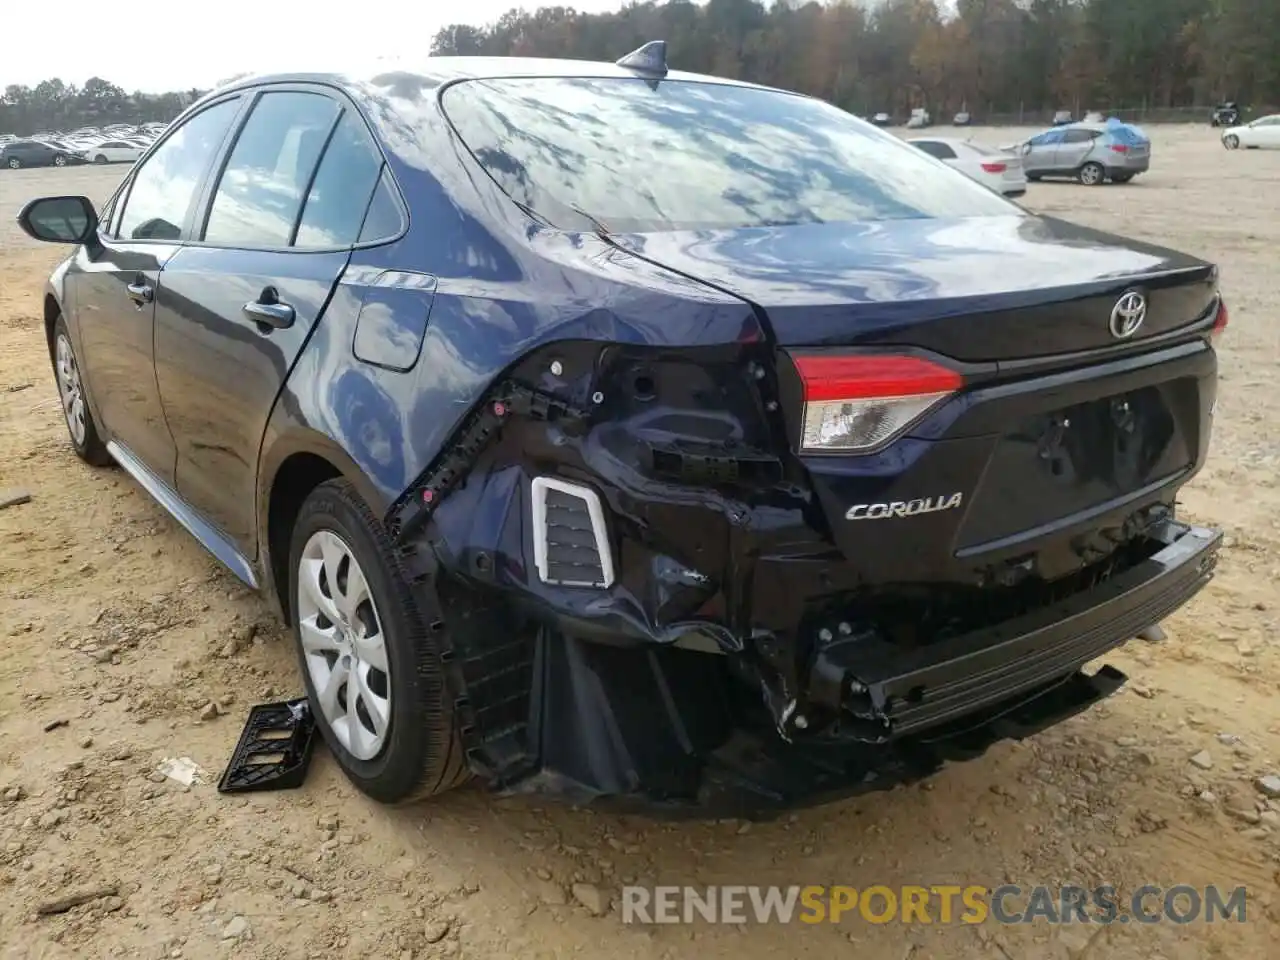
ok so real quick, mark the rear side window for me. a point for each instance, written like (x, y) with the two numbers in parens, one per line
(689, 155)
(383, 220)
(342, 187)
(934, 149)
(1079, 136)
(266, 177)
(164, 187)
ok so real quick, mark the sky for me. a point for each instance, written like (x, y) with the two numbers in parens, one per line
(199, 44)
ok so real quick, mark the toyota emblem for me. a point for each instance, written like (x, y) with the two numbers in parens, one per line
(1127, 315)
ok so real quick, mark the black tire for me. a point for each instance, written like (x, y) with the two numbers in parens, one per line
(14, 163)
(59, 160)
(91, 449)
(100, 158)
(1092, 174)
(1231, 141)
(422, 756)
(1033, 177)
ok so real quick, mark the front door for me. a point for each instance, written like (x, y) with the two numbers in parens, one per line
(236, 309)
(1038, 156)
(113, 286)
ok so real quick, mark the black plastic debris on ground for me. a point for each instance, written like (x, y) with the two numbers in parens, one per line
(274, 750)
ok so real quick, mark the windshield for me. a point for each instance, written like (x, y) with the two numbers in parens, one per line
(633, 155)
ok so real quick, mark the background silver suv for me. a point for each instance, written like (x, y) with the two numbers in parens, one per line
(1088, 152)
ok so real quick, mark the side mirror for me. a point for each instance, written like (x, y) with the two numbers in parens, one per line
(59, 219)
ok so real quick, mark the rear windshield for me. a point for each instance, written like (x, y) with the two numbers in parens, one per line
(629, 155)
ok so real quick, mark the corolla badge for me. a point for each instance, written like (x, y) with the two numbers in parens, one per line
(903, 508)
(1127, 315)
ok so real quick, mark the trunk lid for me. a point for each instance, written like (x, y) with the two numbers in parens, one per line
(1032, 470)
(980, 289)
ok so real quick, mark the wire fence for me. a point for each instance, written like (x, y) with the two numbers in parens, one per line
(1032, 117)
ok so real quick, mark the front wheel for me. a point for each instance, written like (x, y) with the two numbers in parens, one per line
(1092, 174)
(85, 439)
(59, 161)
(1231, 142)
(371, 664)
(99, 159)
(14, 163)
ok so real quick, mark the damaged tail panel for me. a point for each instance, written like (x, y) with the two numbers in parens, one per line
(651, 593)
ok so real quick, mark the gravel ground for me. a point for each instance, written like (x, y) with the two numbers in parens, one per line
(117, 626)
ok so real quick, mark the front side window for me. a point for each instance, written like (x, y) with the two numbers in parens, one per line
(262, 187)
(165, 186)
(343, 185)
(632, 156)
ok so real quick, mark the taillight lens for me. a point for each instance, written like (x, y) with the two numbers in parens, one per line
(854, 404)
(1220, 321)
(994, 167)
(1119, 148)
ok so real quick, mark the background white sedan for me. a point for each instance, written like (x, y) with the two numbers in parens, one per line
(1263, 132)
(114, 151)
(998, 171)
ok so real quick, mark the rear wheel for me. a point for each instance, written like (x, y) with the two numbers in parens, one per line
(1231, 141)
(85, 440)
(1033, 177)
(1092, 174)
(14, 163)
(371, 665)
(99, 159)
(59, 160)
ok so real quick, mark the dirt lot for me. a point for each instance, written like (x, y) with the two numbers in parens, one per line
(116, 624)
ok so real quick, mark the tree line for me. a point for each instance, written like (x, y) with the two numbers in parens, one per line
(990, 57)
(54, 106)
(985, 56)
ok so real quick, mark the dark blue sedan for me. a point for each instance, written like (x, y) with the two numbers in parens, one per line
(638, 436)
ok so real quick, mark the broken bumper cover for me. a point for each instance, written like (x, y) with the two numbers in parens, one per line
(948, 680)
(673, 732)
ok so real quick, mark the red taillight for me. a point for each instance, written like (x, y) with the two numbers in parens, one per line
(1220, 321)
(853, 404)
(994, 167)
(1119, 148)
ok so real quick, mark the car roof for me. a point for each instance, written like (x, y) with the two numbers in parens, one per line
(438, 71)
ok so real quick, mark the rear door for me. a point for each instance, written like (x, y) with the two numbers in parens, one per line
(236, 307)
(1074, 149)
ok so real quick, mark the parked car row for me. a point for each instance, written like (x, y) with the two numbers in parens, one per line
(118, 143)
(1091, 152)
